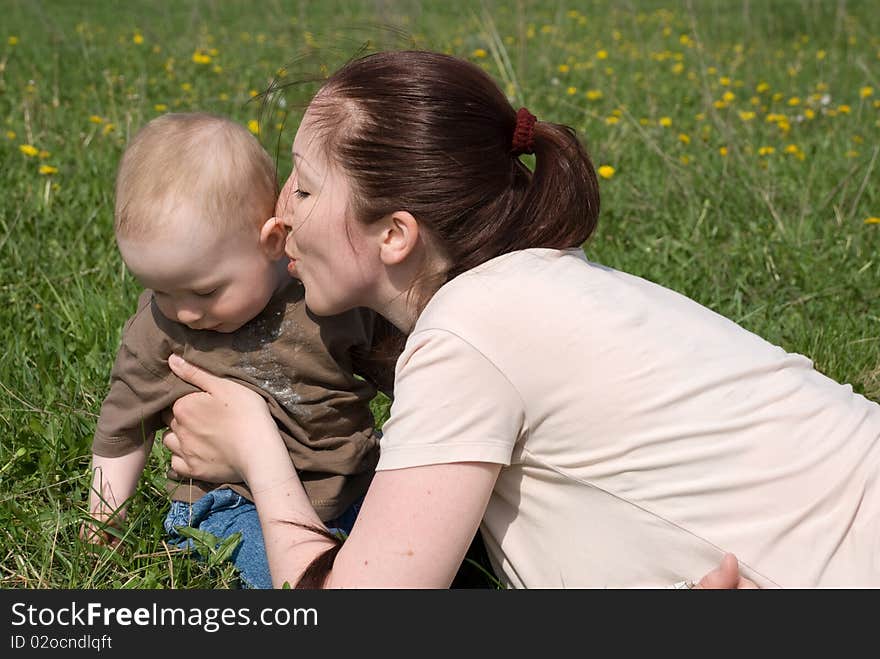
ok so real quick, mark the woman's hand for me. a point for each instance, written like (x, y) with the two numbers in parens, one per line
(726, 575)
(212, 433)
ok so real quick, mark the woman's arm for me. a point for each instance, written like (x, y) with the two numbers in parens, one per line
(412, 532)
(413, 529)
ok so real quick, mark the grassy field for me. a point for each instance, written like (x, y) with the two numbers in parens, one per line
(738, 143)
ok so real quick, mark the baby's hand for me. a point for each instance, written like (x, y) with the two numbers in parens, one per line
(96, 531)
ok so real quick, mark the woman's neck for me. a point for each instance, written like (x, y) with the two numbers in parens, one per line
(403, 304)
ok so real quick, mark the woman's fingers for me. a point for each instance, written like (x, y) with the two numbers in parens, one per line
(726, 575)
(193, 374)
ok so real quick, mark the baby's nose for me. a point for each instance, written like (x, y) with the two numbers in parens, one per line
(188, 316)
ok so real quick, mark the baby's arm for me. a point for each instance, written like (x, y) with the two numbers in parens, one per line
(114, 481)
(130, 415)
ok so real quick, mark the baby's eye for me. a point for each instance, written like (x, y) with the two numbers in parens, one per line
(301, 194)
(205, 293)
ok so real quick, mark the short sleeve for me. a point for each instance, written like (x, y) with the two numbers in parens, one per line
(141, 386)
(452, 404)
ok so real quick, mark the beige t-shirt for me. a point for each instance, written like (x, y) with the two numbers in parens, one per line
(642, 435)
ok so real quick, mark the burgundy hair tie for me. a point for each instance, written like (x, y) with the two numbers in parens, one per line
(524, 133)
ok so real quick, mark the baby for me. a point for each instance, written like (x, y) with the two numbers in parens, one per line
(194, 223)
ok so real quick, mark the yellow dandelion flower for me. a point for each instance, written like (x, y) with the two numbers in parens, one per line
(223, 96)
(612, 120)
(602, 54)
(213, 52)
(186, 86)
(606, 171)
(200, 57)
(160, 107)
(711, 70)
(684, 160)
(563, 68)
(684, 138)
(754, 100)
(644, 121)
(571, 91)
(820, 54)
(677, 68)
(865, 92)
(858, 139)
(725, 81)
(43, 154)
(728, 97)
(10, 135)
(666, 122)
(792, 148)
(766, 151)
(809, 114)
(254, 126)
(48, 170)
(138, 38)
(28, 150)
(720, 105)
(593, 94)
(843, 109)
(217, 69)
(253, 92)
(723, 151)
(778, 96)
(685, 40)
(762, 87)
(700, 116)
(746, 115)
(12, 41)
(794, 100)
(95, 119)
(108, 128)
(480, 53)
(852, 154)
(872, 220)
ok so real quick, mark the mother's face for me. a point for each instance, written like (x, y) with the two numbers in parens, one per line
(328, 248)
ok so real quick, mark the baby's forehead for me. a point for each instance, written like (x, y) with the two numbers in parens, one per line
(195, 259)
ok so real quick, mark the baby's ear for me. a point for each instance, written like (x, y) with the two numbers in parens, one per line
(272, 238)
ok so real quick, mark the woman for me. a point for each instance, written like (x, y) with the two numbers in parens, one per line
(604, 430)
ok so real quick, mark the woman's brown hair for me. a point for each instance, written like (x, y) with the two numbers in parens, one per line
(432, 134)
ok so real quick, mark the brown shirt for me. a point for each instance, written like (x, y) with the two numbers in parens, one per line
(303, 365)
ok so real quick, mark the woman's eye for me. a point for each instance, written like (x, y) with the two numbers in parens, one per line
(300, 194)
(205, 293)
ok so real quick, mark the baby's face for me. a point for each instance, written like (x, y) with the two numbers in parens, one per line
(206, 279)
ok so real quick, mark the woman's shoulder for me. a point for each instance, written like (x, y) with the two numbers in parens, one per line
(504, 282)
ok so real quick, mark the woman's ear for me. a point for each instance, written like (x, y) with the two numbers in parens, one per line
(399, 237)
(272, 238)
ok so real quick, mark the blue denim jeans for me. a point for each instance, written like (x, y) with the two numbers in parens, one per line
(224, 512)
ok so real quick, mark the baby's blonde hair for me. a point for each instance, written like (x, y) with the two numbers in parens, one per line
(208, 162)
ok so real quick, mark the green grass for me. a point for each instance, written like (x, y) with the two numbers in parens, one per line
(776, 241)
